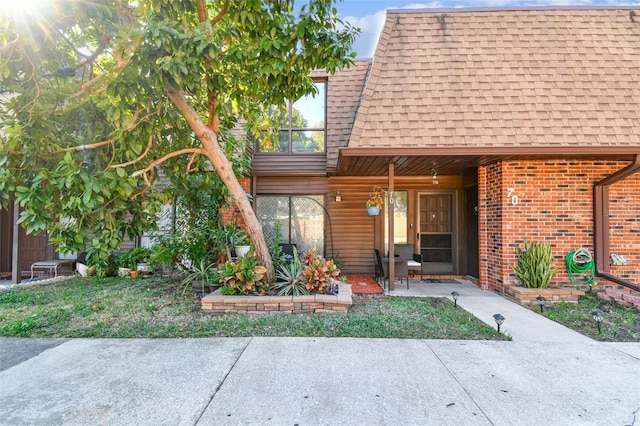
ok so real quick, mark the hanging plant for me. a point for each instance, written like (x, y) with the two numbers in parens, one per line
(375, 201)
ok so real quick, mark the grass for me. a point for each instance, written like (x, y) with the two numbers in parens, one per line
(620, 323)
(156, 307)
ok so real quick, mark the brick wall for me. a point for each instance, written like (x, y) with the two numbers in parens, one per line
(490, 194)
(552, 201)
(624, 226)
(230, 215)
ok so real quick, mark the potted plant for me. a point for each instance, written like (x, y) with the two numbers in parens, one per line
(135, 259)
(232, 236)
(242, 243)
(375, 201)
(200, 276)
(122, 262)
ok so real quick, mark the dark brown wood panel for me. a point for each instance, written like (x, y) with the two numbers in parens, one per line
(289, 165)
(291, 185)
(5, 240)
(355, 233)
(33, 248)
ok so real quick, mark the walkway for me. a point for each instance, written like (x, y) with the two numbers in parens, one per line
(520, 323)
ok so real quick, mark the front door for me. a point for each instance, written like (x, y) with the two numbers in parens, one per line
(436, 233)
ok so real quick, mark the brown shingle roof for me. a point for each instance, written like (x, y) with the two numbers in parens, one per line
(536, 77)
(344, 91)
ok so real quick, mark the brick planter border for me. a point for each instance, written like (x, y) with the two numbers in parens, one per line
(217, 303)
(527, 296)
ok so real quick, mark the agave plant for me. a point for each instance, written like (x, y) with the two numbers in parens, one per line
(290, 277)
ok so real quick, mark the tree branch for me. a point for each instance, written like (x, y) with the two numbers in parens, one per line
(140, 157)
(202, 10)
(220, 15)
(90, 145)
(166, 157)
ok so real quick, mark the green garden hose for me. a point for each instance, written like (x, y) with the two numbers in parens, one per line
(580, 263)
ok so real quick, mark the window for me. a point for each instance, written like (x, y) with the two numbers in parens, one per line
(300, 218)
(300, 129)
(399, 220)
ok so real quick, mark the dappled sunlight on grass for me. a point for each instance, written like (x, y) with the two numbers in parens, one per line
(157, 307)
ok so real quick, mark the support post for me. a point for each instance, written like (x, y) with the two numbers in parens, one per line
(16, 267)
(390, 209)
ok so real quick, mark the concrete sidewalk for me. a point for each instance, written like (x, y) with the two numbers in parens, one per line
(547, 375)
(316, 381)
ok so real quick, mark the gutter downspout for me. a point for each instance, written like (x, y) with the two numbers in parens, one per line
(601, 222)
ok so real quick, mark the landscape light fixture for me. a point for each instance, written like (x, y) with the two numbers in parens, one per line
(455, 296)
(338, 197)
(597, 317)
(499, 320)
(541, 301)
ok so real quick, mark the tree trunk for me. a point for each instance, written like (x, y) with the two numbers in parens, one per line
(224, 168)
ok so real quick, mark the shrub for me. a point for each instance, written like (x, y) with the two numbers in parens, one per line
(245, 275)
(227, 291)
(534, 267)
(131, 257)
(319, 275)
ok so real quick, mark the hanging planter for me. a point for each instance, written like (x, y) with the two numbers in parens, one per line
(375, 201)
(373, 211)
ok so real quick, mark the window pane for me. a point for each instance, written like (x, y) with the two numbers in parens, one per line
(399, 220)
(307, 223)
(273, 211)
(301, 220)
(300, 127)
(307, 141)
(312, 108)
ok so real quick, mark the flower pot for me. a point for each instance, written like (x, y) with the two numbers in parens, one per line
(144, 267)
(83, 270)
(373, 211)
(123, 272)
(241, 250)
(134, 273)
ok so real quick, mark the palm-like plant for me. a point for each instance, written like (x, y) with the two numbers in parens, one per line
(290, 277)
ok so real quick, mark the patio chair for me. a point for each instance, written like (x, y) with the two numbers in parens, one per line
(405, 251)
(288, 248)
(400, 266)
(379, 269)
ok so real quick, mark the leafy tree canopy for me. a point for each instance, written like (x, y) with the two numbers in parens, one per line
(100, 98)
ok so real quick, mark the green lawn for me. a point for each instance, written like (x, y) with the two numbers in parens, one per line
(157, 307)
(620, 323)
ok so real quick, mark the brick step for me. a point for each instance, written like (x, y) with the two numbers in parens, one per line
(620, 296)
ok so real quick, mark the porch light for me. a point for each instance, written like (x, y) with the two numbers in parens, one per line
(338, 197)
(598, 317)
(499, 320)
(455, 296)
(541, 301)
(434, 176)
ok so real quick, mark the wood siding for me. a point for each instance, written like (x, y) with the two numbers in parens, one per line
(279, 185)
(289, 165)
(355, 234)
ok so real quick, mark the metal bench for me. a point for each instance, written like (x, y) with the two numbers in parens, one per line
(50, 265)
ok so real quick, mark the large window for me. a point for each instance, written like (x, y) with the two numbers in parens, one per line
(300, 219)
(399, 219)
(298, 129)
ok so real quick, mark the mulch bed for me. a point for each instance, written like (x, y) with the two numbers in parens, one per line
(361, 284)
